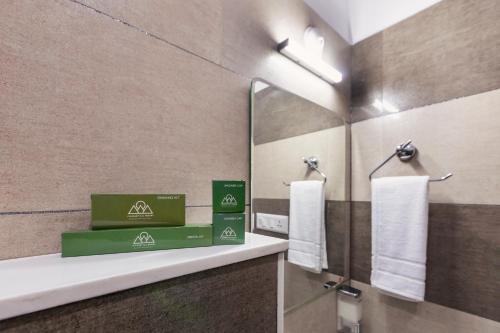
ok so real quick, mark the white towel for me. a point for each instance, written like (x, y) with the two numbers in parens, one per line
(399, 236)
(307, 239)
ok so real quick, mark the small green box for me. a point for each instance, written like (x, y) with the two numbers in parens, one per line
(228, 229)
(85, 243)
(228, 196)
(111, 211)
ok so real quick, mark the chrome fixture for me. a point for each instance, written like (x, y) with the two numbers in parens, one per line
(349, 291)
(405, 152)
(312, 164)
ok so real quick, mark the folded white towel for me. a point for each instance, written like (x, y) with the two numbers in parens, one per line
(307, 239)
(399, 236)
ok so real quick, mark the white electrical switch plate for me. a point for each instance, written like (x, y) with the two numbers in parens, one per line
(271, 222)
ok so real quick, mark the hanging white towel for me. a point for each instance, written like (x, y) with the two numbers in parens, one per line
(400, 212)
(307, 239)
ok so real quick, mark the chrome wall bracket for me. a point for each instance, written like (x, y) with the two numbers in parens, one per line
(405, 152)
(312, 164)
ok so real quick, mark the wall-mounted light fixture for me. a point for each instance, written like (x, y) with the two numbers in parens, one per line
(298, 54)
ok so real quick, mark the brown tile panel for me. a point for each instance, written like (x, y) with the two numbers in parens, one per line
(361, 246)
(336, 222)
(447, 51)
(102, 107)
(237, 298)
(271, 206)
(462, 255)
(335, 227)
(279, 114)
(463, 259)
(367, 77)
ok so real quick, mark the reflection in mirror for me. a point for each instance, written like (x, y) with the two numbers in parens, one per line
(285, 129)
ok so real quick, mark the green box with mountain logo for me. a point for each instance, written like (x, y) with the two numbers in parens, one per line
(228, 229)
(228, 196)
(110, 211)
(92, 242)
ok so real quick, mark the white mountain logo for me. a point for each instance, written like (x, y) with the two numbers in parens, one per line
(229, 200)
(228, 233)
(143, 239)
(140, 209)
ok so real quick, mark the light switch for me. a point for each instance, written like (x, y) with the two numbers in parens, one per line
(271, 222)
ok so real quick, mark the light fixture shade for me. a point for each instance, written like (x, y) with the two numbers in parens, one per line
(298, 54)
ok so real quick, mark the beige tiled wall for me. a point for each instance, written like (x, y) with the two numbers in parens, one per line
(135, 96)
(32, 234)
(241, 36)
(455, 136)
(281, 161)
(318, 316)
(309, 307)
(194, 25)
(389, 315)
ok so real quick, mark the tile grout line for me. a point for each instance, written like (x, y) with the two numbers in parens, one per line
(52, 211)
(440, 203)
(147, 33)
(58, 211)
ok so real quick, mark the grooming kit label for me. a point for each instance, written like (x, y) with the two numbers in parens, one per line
(137, 210)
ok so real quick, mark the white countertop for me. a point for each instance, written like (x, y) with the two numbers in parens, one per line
(36, 283)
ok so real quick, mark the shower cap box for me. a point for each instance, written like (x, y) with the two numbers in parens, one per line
(228, 196)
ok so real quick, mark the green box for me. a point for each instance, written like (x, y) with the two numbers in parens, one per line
(91, 242)
(228, 196)
(110, 211)
(228, 229)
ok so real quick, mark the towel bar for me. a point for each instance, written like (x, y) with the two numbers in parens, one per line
(406, 152)
(312, 164)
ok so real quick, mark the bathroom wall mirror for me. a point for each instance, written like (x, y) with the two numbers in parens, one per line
(285, 129)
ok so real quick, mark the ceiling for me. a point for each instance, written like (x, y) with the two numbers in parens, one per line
(356, 20)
